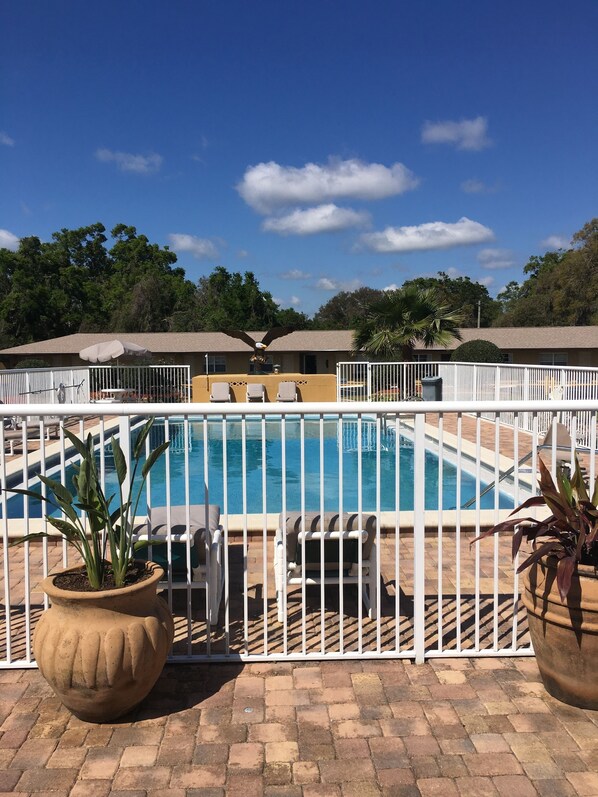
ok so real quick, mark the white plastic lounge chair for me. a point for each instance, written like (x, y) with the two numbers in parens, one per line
(287, 391)
(306, 535)
(220, 391)
(206, 570)
(51, 424)
(256, 392)
(13, 435)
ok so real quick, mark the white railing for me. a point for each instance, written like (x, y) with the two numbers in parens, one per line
(364, 381)
(45, 385)
(407, 471)
(162, 384)
(78, 385)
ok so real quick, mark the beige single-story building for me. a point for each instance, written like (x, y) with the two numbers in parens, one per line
(312, 351)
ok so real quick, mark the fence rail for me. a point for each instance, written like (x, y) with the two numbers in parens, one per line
(415, 588)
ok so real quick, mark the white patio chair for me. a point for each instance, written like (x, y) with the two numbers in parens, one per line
(220, 391)
(255, 392)
(300, 535)
(206, 570)
(287, 391)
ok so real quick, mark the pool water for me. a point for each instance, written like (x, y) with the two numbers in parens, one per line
(335, 437)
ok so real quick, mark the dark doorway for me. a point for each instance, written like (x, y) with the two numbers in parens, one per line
(310, 364)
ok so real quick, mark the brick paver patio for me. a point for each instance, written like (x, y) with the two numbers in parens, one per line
(452, 728)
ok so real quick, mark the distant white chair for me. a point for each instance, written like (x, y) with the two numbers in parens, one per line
(287, 391)
(205, 555)
(255, 392)
(13, 433)
(303, 535)
(220, 391)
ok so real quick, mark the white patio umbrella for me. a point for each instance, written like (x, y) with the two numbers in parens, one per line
(112, 350)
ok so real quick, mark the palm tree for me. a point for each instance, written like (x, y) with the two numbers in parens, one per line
(394, 324)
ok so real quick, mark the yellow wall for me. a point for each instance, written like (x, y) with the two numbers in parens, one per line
(310, 387)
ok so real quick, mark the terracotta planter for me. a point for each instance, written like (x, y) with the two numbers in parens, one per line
(102, 652)
(565, 635)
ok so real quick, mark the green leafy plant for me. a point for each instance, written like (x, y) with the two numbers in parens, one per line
(90, 523)
(569, 533)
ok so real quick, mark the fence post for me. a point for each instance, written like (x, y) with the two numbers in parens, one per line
(338, 381)
(369, 382)
(124, 434)
(419, 541)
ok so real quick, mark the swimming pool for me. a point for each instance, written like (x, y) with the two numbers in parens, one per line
(341, 441)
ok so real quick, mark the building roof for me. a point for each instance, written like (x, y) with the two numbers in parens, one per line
(184, 342)
(543, 338)
(506, 338)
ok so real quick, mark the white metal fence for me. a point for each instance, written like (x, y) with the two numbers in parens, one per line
(45, 385)
(404, 581)
(364, 381)
(162, 384)
(78, 385)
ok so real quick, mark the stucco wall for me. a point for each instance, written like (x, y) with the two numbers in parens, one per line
(310, 387)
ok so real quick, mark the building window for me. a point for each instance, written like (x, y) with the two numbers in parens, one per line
(216, 363)
(508, 355)
(553, 358)
(421, 357)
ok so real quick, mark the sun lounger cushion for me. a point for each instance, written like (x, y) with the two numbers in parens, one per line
(350, 522)
(178, 526)
(287, 391)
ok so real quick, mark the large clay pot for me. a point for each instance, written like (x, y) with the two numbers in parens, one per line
(102, 652)
(564, 634)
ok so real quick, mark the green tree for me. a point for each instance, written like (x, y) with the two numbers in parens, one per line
(463, 294)
(142, 289)
(289, 317)
(346, 309)
(232, 300)
(395, 324)
(560, 289)
(477, 351)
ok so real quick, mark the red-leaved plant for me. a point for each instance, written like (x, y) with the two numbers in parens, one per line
(569, 533)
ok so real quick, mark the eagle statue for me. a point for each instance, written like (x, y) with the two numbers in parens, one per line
(259, 347)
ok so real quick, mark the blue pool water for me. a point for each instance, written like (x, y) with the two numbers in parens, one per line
(334, 437)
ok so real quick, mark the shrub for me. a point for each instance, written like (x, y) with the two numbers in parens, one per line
(477, 351)
(32, 362)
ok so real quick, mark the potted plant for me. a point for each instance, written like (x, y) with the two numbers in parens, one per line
(561, 583)
(103, 642)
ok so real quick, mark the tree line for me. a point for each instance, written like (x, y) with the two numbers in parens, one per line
(81, 282)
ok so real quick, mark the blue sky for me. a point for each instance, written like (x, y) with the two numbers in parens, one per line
(322, 145)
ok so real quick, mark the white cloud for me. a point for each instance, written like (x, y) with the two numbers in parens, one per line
(475, 186)
(268, 186)
(453, 272)
(6, 139)
(242, 253)
(556, 242)
(392, 287)
(295, 274)
(295, 301)
(433, 235)
(486, 281)
(327, 284)
(495, 258)
(127, 162)
(8, 241)
(469, 134)
(324, 218)
(201, 248)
